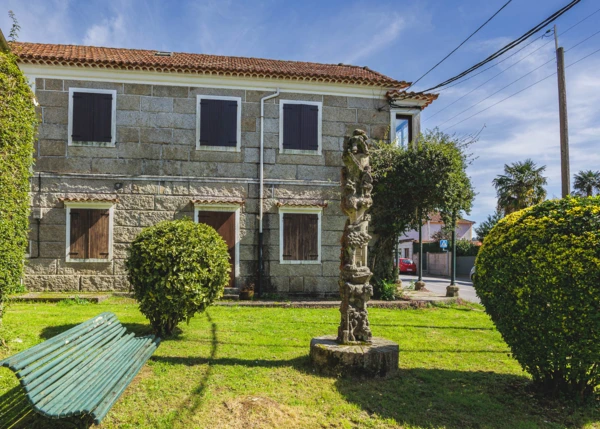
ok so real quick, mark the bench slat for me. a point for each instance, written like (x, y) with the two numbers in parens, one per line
(83, 370)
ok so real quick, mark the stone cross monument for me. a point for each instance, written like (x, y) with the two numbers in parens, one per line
(354, 350)
(355, 290)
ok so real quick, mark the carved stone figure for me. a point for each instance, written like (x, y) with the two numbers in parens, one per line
(355, 290)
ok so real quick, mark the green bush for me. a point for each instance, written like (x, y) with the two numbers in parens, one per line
(177, 268)
(386, 291)
(466, 247)
(17, 134)
(538, 276)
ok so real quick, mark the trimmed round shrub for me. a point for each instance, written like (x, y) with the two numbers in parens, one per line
(17, 133)
(538, 276)
(177, 269)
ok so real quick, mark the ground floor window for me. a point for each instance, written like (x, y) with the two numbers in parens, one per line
(300, 235)
(89, 232)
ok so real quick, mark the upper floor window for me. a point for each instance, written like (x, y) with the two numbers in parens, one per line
(219, 121)
(92, 116)
(300, 126)
(403, 129)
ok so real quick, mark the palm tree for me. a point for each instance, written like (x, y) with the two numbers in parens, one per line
(520, 186)
(586, 181)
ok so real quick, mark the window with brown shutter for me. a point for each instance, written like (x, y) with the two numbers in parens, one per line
(92, 117)
(300, 127)
(219, 122)
(89, 233)
(300, 237)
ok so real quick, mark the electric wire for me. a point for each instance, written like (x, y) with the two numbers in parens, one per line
(511, 83)
(522, 90)
(507, 47)
(458, 47)
(515, 53)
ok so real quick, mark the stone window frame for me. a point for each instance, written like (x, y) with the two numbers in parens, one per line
(225, 207)
(238, 146)
(113, 118)
(319, 151)
(89, 205)
(413, 113)
(301, 210)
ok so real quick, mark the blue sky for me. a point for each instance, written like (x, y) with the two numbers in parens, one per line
(401, 39)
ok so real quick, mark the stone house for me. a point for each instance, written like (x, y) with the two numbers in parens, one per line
(252, 147)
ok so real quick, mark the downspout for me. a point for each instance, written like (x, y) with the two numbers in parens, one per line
(261, 267)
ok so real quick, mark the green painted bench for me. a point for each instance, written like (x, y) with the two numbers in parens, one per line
(82, 371)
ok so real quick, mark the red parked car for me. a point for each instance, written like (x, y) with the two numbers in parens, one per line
(407, 266)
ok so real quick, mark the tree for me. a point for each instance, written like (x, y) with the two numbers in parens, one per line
(586, 181)
(426, 177)
(486, 226)
(17, 133)
(521, 186)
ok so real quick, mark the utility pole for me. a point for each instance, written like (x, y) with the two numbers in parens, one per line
(564, 120)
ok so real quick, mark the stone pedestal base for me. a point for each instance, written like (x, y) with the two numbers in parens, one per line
(420, 285)
(452, 291)
(380, 358)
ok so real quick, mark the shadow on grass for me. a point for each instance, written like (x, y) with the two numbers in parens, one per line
(432, 398)
(139, 329)
(17, 413)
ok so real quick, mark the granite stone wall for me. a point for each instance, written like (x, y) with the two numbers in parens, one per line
(161, 172)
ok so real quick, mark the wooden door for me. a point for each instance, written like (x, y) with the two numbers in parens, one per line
(224, 223)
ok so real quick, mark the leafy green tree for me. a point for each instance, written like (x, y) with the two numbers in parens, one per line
(428, 176)
(486, 226)
(17, 133)
(586, 182)
(521, 186)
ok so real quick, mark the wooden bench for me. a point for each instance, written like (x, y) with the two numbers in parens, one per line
(82, 371)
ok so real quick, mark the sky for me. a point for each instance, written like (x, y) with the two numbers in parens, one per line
(402, 39)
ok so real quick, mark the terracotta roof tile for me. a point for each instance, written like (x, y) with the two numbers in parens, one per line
(301, 203)
(218, 200)
(399, 94)
(147, 60)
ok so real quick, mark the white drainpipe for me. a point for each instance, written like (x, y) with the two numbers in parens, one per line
(261, 187)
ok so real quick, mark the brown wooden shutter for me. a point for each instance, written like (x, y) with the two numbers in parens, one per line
(102, 117)
(83, 116)
(310, 237)
(218, 123)
(224, 224)
(310, 127)
(78, 245)
(98, 234)
(292, 229)
(292, 126)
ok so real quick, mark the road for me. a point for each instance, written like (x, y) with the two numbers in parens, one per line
(438, 285)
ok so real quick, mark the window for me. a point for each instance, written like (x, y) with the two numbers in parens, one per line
(89, 232)
(300, 235)
(300, 127)
(219, 122)
(407, 253)
(92, 116)
(403, 129)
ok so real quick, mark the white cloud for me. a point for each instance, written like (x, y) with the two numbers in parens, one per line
(108, 33)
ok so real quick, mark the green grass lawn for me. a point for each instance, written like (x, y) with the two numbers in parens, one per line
(237, 367)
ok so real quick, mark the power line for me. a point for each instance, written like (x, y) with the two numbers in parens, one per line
(513, 82)
(520, 91)
(463, 42)
(524, 47)
(509, 46)
(489, 80)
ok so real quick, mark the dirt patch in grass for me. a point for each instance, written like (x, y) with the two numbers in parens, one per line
(256, 412)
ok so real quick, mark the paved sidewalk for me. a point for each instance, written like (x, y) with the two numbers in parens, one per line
(437, 285)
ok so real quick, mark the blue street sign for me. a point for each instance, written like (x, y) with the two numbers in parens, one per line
(443, 244)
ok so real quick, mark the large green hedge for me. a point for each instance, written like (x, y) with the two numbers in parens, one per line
(177, 268)
(538, 276)
(17, 134)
